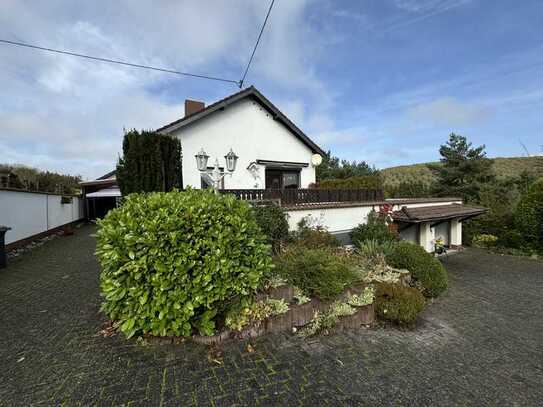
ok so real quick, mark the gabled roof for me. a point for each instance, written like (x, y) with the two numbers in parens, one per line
(439, 212)
(250, 92)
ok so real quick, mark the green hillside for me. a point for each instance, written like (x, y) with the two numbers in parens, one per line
(503, 167)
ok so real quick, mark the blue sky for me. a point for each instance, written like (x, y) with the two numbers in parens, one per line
(382, 81)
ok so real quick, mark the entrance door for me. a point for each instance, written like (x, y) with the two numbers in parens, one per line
(282, 179)
(274, 179)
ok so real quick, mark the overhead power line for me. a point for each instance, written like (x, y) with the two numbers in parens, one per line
(113, 61)
(256, 45)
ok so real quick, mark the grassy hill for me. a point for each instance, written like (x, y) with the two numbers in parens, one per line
(503, 167)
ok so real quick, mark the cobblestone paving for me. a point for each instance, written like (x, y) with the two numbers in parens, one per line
(479, 344)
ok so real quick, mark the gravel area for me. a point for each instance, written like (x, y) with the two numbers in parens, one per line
(481, 343)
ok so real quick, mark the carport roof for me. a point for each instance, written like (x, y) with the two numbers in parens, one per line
(438, 212)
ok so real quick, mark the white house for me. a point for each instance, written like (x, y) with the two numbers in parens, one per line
(272, 151)
(275, 155)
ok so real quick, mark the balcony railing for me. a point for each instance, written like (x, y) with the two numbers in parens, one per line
(307, 196)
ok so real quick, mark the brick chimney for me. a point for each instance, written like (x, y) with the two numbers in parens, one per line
(193, 106)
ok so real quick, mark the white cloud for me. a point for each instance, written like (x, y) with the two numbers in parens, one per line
(64, 113)
(449, 112)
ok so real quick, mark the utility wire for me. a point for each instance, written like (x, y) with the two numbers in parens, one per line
(113, 61)
(256, 45)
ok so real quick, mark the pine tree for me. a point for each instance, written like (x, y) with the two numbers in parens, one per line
(463, 169)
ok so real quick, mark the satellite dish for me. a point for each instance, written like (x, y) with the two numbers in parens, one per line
(316, 160)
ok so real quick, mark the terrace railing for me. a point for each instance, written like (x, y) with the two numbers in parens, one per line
(307, 196)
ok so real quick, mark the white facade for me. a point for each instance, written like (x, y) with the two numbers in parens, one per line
(253, 134)
(30, 213)
(336, 220)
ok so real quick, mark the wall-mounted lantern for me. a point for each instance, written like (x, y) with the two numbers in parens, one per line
(201, 160)
(216, 175)
(231, 161)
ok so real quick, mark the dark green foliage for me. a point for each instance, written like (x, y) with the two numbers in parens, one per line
(151, 162)
(359, 182)
(28, 178)
(408, 189)
(310, 234)
(273, 222)
(375, 229)
(504, 168)
(528, 217)
(171, 262)
(398, 304)
(424, 267)
(322, 272)
(500, 197)
(332, 168)
(463, 169)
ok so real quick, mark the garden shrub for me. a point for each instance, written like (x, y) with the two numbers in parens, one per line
(359, 182)
(372, 249)
(423, 266)
(398, 304)
(323, 322)
(321, 271)
(247, 311)
(378, 271)
(311, 234)
(529, 217)
(374, 229)
(273, 222)
(171, 262)
(484, 241)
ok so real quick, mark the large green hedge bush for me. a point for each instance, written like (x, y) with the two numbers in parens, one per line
(374, 229)
(273, 222)
(151, 162)
(423, 266)
(321, 271)
(529, 217)
(359, 182)
(398, 304)
(171, 262)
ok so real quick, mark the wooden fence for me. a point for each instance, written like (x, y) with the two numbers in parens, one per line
(305, 196)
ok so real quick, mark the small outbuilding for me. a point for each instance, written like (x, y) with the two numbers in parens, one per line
(427, 224)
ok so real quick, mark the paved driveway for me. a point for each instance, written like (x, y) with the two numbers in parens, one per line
(479, 344)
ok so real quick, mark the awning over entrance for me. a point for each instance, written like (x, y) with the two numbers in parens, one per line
(436, 213)
(110, 192)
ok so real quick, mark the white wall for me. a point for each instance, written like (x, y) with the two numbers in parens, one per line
(252, 133)
(336, 220)
(30, 213)
(341, 220)
(456, 233)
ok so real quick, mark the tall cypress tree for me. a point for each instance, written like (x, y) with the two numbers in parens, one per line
(150, 162)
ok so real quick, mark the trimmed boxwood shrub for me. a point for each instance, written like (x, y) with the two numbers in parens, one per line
(397, 303)
(171, 262)
(423, 266)
(321, 271)
(273, 222)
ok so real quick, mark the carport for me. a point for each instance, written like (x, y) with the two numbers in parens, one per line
(100, 195)
(423, 225)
